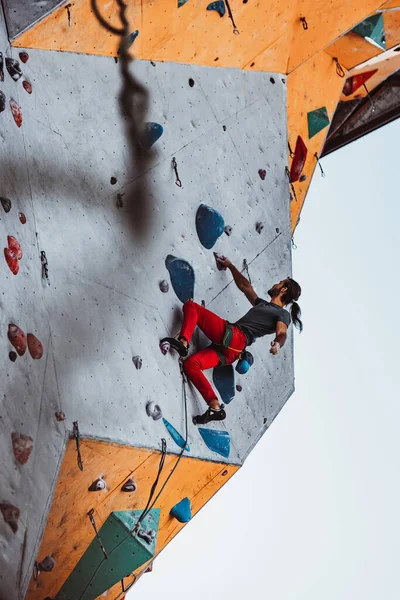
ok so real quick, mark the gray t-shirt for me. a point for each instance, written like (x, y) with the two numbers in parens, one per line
(262, 319)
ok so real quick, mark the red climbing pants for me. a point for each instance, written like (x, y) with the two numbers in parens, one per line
(214, 328)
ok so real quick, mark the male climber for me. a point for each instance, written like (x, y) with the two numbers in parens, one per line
(230, 339)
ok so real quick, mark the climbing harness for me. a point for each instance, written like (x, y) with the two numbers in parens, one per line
(68, 9)
(226, 341)
(230, 14)
(77, 436)
(246, 268)
(339, 68)
(373, 107)
(93, 522)
(319, 164)
(178, 182)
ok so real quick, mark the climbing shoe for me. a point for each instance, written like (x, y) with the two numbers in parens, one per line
(176, 345)
(211, 414)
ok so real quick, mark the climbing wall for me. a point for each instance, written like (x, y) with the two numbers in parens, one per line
(100, 251)
(82, 290)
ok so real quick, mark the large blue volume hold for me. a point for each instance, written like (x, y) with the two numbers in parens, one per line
(182, 277)
(219, 6)
(209, 225)
(224, 381)
(217, 441)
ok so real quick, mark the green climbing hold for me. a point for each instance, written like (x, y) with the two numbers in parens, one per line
(317, 121)
(372, 29)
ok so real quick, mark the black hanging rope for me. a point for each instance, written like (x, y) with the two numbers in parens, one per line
(304, 22)
(373, 107)
(290, 183)
(235, 29)
(178, 182)
(319, 164)
(339, 68)
(77, 436)
(93, 522)
(246, 268)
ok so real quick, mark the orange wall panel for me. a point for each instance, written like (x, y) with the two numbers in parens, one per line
(311, 86)
(69, 532)
(352, 50)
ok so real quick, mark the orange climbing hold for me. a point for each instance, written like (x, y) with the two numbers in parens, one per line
(14, 246)
(11, 261)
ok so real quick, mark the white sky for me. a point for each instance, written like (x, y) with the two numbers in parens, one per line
(314, 512)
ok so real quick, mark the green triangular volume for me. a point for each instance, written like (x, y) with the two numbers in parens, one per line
(317, 121)
(372, 29)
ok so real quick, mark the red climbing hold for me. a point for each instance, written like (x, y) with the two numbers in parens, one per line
(262, 173)
(16, 112)
(34, 346)
(10, 515)
(299, 159)
(23, 56)
(27, 86)
(17, 338)
(353, 83)
(22, 447)
(22, 218)
(11, 260)
(14, 246)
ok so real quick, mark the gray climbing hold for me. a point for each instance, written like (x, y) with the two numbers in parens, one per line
(47, 564)
(154, 411)
(228, 229)
(6, 204)
(113, 180)
(13, 68)
(259, 227)
(137, 361)
(164, 286)
(10, 515)
(218, 258)
(147, 536)
(97, 485)
(165, 347)
(129, 486)
(60, 416)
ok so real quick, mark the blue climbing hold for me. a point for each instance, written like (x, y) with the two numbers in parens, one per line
(131, 38)
(181, 3)
(224, 380)
(178, 439)
(182, 277)
(209, 225)
(152, 133)
(218, 6)
(217, 441)
(242, 367)
(182, 511)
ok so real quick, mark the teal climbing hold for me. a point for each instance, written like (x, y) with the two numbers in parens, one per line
(217, 441)
(372, 29)
(131, 38)
(152, 133)
(182, 511)
(317, 121)
(182, 277)
(178, 439)
(218, 6)
(224, 381)
(181, 3)
(209, 225)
